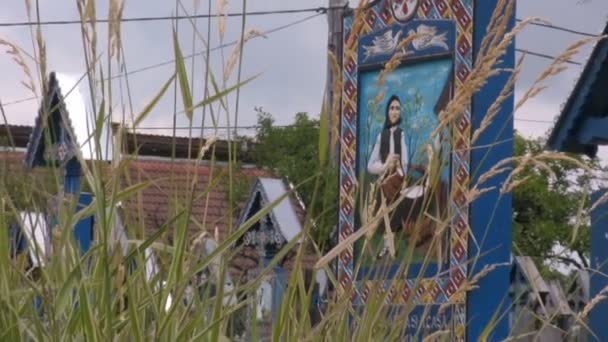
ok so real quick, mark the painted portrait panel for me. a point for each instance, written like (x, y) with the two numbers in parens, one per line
(397, 135)
(433, 64)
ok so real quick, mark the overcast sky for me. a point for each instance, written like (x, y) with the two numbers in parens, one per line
(292, 62)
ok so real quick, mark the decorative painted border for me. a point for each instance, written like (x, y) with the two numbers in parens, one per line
(438, 290)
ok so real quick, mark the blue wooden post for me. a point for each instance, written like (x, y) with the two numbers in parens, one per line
(491, 215)
(598, 317)
(367, 47)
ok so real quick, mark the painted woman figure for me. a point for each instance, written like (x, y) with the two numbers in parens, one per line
(389, 160)
(390, 151)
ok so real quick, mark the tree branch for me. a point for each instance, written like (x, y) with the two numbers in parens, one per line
(583, 259)
(567, 260)
(563, 259)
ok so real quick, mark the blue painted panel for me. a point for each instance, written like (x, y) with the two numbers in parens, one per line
(491, 215)
(379, 46)
(72, 177)
(83, 231)
(598, 317)
(594, 130)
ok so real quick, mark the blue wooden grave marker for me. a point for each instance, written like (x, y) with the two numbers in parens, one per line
(268, 236)
(396, 113)
(598, 318)
(53, 144)
(581, 127)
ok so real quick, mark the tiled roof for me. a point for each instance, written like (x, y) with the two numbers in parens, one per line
(11, 157)
(172, 181)
(184, 147)
(17, 135)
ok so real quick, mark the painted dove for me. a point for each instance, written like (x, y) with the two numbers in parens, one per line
(429, 38)
(383, 45)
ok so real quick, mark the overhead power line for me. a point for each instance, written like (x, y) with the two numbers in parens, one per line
(535, 121)
(319, 10)
(170, 62)
(561, 28)
(27, 99)
(532, 53)
(542, 55)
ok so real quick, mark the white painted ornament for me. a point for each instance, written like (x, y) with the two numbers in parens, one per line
(404, 10)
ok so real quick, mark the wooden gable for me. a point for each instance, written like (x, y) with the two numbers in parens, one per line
(52, 139)
(583, 122)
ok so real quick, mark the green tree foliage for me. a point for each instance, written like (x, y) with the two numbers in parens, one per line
(547, 209)
(292, 152)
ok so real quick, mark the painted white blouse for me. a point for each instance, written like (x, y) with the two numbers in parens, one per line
(376, 166)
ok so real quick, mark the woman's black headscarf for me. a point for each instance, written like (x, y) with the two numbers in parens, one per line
(384, 138)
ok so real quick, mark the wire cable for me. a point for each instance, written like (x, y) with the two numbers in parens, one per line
(234, 42)
(560, 28)
(27, 99)
(318, 10)
(171, 62)
(542, 55)
(535, 121)
(321, 10)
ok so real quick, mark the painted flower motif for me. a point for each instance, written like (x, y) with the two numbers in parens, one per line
(62, 151)
(278, 238)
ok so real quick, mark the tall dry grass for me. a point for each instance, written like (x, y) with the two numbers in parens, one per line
(100, 295)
